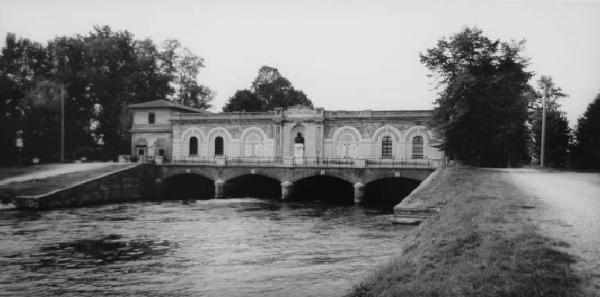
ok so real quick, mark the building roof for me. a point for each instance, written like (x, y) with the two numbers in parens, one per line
(165, 104)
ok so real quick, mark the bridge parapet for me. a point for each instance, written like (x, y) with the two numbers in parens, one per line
(359, 177)
(309, 162)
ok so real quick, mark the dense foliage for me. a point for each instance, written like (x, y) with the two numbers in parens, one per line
(269, 90)
(586, 153)
(101, 73)
(482, 108)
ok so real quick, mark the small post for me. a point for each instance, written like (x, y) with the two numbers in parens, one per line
(62, 123)
(359, 192)
(543, 148)
(219, 193)
(287, 189)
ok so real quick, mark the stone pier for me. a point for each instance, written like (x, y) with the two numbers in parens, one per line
(219, 192)
(359, 192)
(287, 189)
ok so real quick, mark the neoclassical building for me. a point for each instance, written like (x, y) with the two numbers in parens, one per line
(292, 136)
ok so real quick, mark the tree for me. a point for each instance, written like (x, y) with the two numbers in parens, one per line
(481, 110)
(22, 62)
(184, 67)
(41, 126)
(269, 90)
(102, 72)
(586, 152)
(558, 133)
(244, 100)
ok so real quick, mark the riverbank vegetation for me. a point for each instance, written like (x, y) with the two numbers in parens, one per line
(481, 244)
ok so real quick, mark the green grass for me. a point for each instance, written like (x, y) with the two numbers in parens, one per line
(480, 245)
(46, 185)
(7, 172)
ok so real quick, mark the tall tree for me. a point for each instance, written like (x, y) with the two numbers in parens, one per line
(41, 126)
(586, 152)
(269, 90)
(558, 133)
(184, 67)
(22, 62)
(481, 110)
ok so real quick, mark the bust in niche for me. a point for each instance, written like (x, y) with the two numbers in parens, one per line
(299, 138)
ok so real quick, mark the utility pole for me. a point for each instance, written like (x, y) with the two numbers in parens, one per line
(543, 148)
(62, 123)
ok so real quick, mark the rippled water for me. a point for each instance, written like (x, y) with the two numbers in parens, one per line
(228, 247)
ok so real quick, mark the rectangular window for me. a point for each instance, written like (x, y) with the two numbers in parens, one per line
(150, 118)
(161, 152)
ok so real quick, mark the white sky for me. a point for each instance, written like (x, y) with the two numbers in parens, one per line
(342, 54)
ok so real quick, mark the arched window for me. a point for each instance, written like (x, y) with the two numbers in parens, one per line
(193, 146)
(417, 147)
(347, 147)
(219, 146)
(253, 145)
(386, 147)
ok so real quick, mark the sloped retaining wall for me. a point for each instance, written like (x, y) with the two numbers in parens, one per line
(415, 208)
(133, 183)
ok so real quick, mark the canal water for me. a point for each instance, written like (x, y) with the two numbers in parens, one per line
(224, 247)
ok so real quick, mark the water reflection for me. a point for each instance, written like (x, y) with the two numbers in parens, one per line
(229, 247)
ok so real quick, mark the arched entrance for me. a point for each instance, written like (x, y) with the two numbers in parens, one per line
(187, 186)
(387, 192)
(324, 188)
(253, 185)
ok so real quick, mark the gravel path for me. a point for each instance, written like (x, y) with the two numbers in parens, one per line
(48, 171)
(569, 210)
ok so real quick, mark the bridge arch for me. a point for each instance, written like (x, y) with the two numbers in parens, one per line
(389, 191)
(246, 171)
(330, 173)
(187, 186)
(325, 188)
(253, 185)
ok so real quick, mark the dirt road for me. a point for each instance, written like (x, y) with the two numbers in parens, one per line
(567, 207)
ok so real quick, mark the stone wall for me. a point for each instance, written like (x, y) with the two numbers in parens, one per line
(126, 185)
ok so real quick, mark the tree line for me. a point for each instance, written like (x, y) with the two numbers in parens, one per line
(99, 74)
(488, 114)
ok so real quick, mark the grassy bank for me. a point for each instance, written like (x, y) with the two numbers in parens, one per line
(45, 185)
(480, 245)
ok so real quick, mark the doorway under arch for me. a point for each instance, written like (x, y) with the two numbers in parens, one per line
(324, 188)
(253, 185)
(188, 186)
(387, 192)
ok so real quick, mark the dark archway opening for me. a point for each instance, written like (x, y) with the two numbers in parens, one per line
(386, 193)
(253, 185)
(325, 189)
(188, 186)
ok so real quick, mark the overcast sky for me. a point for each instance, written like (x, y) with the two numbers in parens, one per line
(342, 54)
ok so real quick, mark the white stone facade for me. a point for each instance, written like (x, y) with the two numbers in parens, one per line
(382, 136)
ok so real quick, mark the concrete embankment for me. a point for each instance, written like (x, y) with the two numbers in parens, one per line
(127, 184)
(482, 243)
(420, 204)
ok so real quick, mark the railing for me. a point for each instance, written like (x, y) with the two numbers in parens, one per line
(193, 160)
(400, 163)
(308, 162)
(253, 160)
